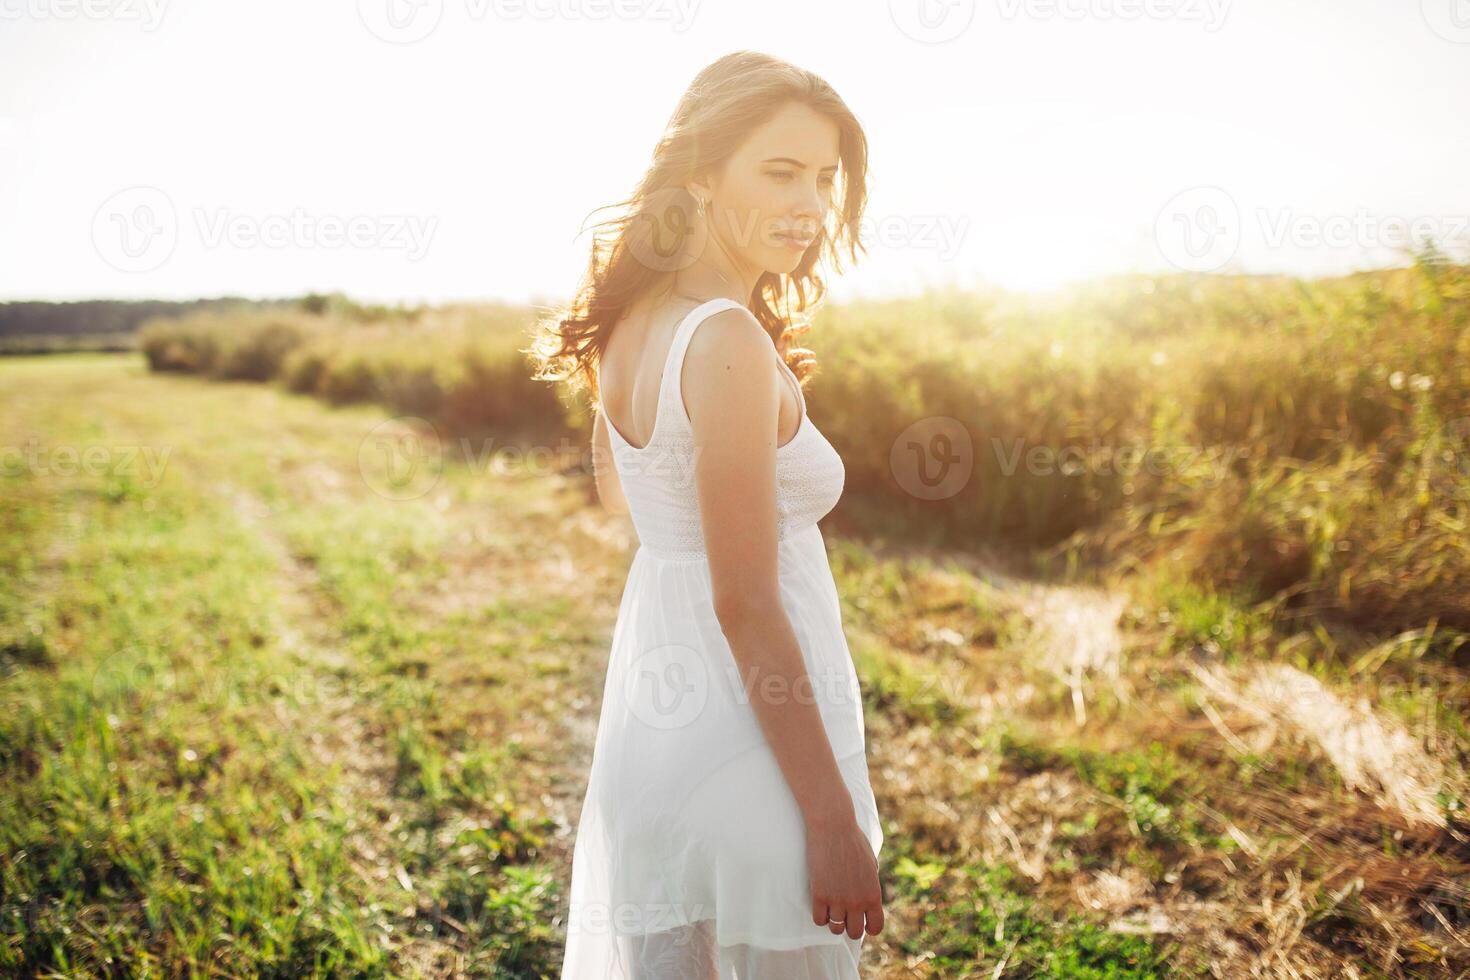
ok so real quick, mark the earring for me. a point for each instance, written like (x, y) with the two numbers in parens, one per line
(699, 206)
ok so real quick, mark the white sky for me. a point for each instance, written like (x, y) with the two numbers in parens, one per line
(1043, 142)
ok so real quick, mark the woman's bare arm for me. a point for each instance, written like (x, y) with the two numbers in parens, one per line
(609, 487)
(732, 396)
(731, 390)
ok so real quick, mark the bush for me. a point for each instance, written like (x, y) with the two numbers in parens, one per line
(1280, 437)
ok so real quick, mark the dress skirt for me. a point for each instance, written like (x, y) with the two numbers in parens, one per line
(689, 861)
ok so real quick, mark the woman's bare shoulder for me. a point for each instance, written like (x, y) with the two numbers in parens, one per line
(727, 377)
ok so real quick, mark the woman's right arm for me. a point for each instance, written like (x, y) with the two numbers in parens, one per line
(604, 470)
(731, 390)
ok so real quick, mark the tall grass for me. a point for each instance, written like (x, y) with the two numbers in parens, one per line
(1307, 441)
(459, 367)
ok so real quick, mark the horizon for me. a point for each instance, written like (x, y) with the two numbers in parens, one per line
(542, 302)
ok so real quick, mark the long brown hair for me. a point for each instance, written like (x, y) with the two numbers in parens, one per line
(726, 101)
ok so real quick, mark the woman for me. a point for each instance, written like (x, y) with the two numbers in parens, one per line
(729, 828)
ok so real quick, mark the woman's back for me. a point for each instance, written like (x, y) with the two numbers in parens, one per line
(634, 360)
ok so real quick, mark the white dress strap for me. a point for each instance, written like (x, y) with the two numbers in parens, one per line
(669, 396)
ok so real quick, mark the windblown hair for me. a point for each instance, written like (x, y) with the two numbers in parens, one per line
(636, 254)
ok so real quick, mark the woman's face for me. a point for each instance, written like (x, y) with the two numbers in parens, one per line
(773, 195)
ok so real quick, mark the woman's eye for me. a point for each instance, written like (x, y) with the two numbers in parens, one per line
(784, 176)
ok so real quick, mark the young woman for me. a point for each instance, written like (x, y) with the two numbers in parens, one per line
(729, 829)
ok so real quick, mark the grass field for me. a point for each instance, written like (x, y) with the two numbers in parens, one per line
(272, 706)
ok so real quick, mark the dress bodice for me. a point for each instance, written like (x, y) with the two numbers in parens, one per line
(658, 479)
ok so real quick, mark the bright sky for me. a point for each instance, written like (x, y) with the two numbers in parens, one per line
(452, 149)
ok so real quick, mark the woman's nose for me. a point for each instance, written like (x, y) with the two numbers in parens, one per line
(810, 205)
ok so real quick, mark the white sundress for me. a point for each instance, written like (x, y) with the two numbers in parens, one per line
(690, 856)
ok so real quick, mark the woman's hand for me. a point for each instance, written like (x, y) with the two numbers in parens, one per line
(844, 878)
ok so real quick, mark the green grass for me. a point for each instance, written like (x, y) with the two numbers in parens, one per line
(259, 716)
(167, 803)
(997, 923)
(156, 811)
(1155, 788)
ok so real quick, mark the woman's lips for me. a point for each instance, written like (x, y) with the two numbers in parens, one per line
(794, 241)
